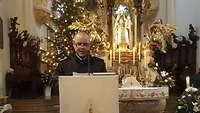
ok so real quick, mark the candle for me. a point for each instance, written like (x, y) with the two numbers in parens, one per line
(110, 58)
(119, 55)
(145, 58)
(114, 49)
(113, 54)
(133, 55)
(139, 51)
(187, 81)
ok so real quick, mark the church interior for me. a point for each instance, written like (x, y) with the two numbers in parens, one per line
(151, 50)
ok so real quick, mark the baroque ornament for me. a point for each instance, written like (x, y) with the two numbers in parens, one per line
(41, 10)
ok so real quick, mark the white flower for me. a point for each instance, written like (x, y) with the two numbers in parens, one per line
(156, 64)
(191, 89)
(195, 108)
(155, 68)
(183, 96)
(194, 103)
(180, 107)
(194, 89)
(185, 104)
(163, 73)
(10, 70)
(166, 80)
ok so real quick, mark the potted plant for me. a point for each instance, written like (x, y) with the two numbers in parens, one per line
(46, 79)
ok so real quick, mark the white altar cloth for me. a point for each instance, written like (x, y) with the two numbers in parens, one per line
(143, 93)
(135, 99)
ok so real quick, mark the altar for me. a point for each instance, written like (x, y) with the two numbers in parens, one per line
(143, 99)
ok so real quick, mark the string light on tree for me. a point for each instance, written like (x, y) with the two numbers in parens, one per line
(60, 43)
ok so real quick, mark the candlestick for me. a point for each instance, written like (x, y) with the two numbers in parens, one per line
(119, 55)
(139, 51)
(110, 58)
(133, 56)
(187, 81)
(114, 54)
(145, 58)
(114, 49)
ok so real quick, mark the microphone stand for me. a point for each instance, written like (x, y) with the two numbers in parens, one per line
(88, 61)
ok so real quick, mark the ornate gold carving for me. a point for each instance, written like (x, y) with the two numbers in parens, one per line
(151, 9)
(41, 10)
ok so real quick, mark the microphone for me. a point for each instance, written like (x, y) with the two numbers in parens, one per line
(88, 62)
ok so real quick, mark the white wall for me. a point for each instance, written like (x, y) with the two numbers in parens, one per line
(4, 53)
(23, 9)
(188, 12)
(182, 13)
(30, 22)
(167, 11)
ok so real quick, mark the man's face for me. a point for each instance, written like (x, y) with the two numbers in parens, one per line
(82, 44)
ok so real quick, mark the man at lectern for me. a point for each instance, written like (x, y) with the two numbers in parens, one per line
(81, 61)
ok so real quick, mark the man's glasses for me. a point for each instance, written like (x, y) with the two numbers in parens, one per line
(82, 44)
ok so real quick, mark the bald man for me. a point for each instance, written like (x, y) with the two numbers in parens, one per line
(81, 61)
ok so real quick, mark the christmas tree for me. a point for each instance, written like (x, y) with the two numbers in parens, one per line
(69, 17)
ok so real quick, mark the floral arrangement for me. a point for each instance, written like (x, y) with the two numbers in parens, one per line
(10, 71)
(164, 78)
(189, 101)
(159, 34)
(46, 79)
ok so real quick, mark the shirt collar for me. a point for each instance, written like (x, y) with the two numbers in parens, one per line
(80, 57)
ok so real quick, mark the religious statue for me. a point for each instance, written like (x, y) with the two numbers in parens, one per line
(122, 28)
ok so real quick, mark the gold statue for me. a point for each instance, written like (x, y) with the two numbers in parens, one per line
(122, 34)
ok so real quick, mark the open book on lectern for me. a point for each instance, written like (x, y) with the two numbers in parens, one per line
(83, 94)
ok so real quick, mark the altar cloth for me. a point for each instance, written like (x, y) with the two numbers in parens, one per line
(143, 92)
(142, 99)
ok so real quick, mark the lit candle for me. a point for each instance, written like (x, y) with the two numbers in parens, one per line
(145, 58)
(187, 81)
(114, 49)
(133, 55)
(110, 58)
(139, 51)
(119, 55)
(113, 54)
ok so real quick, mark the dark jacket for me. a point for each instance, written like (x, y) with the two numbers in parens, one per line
(74, 64)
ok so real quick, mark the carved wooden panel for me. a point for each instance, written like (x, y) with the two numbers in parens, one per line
(181, 61)
(25, 61)
(23, 49)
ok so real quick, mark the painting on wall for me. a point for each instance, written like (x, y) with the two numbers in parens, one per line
(1, 33)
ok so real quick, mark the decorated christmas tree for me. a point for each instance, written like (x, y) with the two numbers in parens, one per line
(69, 17)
